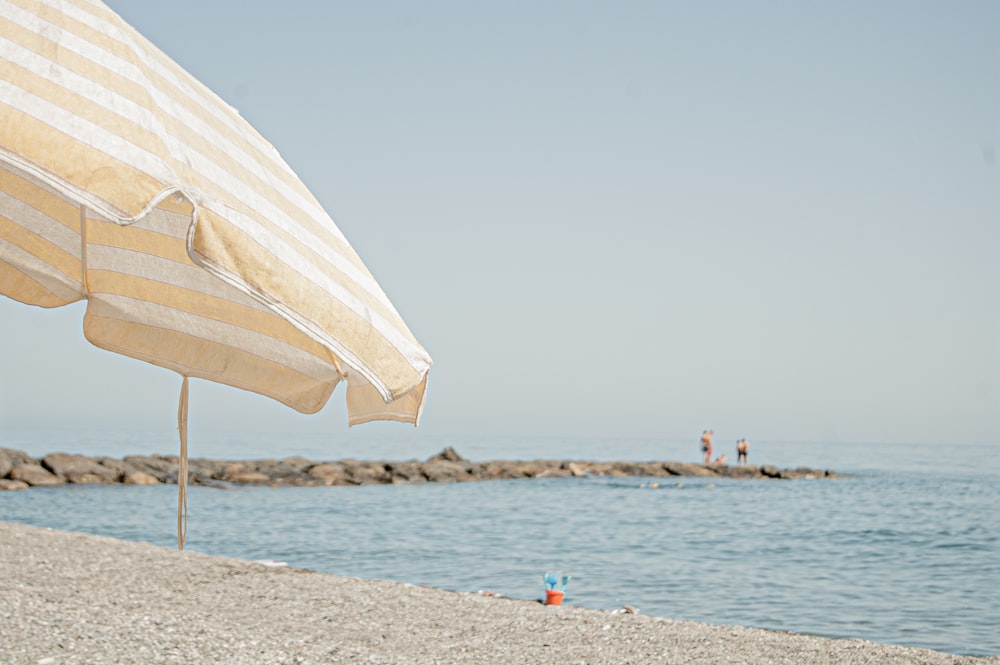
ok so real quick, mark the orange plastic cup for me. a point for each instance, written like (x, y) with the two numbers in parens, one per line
(553, 597)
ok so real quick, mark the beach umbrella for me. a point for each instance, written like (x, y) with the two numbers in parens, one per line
(127, 183)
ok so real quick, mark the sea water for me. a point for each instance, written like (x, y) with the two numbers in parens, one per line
(904, 549)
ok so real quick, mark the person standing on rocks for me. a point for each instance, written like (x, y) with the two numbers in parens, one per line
(706, 445)
(741, 451)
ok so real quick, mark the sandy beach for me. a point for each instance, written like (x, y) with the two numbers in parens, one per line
(77, 598)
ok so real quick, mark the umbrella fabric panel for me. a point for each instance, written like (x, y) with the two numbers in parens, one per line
(39, 243)
(365, 404)
(98, 114)
(354, 312)
(65, 114)
(148, 300)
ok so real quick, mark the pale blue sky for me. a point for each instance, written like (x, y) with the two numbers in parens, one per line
(779, 220)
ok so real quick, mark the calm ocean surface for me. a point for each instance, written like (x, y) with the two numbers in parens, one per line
(904, 551)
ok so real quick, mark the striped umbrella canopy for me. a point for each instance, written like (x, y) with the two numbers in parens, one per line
(127, 183)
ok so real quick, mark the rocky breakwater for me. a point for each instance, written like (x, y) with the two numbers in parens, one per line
(19, 470)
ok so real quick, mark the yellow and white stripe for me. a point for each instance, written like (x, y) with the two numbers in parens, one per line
(125, 181)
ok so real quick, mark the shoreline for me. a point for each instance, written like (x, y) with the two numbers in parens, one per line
(18, 470)
(78, 598)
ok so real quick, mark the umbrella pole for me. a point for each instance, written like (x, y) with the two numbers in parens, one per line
(182, 466)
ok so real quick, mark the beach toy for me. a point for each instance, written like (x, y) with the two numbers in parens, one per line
(553, 597)
(554, 591)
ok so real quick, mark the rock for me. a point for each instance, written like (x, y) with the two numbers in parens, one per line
(89, 479)
(614, 471)
(201, 468)
(8, 484)
(367, 473)
(508, 469)
(35, 475)
(286, 472)
(623, 469)
(449, 454)
(798, 473)
(555, 471)
(79, 469)
(139, 478)
(439, 470)
(541, 468)
(120, 468)
(162, 468)
(300, 463)
(202, 481)
(407, 472)
(739, 471)
(445, 467)
(10, 457)
(505, 470)
(330, 473)
(684, 469)
(596, 468)
(229, 470)
(250, 478)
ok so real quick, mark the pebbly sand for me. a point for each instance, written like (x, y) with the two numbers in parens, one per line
(77, 598)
